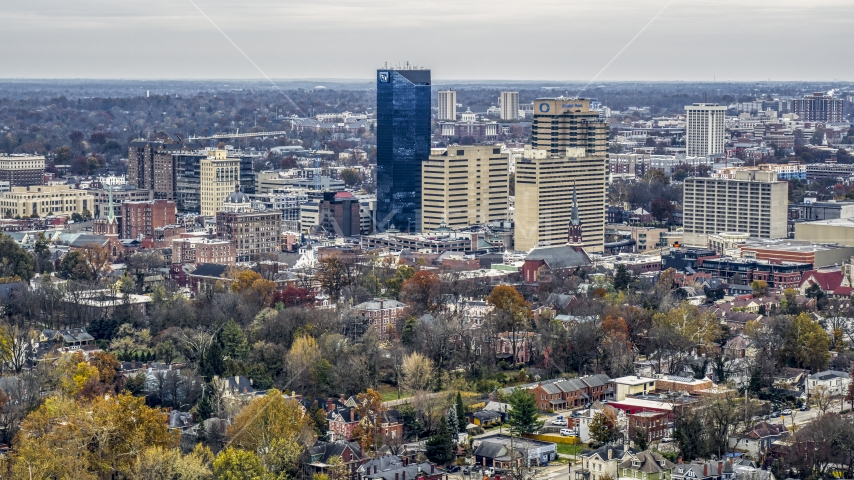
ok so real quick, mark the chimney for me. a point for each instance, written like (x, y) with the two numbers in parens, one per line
(720, 468)
(330, 404)
(341, 397)
(396, 476)
(404, 474)
(680, 460)
(433, 467)
(705, 470)
(610, 454)
(352, 415)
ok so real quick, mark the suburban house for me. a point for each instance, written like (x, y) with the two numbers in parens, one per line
(835, 382)
(319, 455)
(395, 468)
(646, 465)
(486, 418)
(515, 347)
(602, 462)
(71, 339)
(708, 470)
(759, 439)
(342, 419)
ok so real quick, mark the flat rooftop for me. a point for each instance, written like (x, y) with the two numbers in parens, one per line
(790, 245)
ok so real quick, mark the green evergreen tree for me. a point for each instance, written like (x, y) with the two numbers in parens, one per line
(408, 334)
(212, 364)
(234, 344)
(523, 415)
(440, 447)
(204, 408)
(462, 419)
(622, 278)
(453, 421)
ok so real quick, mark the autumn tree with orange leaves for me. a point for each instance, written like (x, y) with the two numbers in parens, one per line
(421, 292)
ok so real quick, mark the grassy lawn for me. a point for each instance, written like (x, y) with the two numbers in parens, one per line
(567, 449)
(389, 392)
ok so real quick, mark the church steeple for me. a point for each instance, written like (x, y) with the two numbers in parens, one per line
(574, 236)
(111, 216)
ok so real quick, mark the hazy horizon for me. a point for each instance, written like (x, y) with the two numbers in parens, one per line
(544, 40)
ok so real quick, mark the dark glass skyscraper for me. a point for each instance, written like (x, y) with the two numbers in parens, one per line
(403, 142)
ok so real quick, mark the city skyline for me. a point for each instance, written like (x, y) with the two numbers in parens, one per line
(741, 41)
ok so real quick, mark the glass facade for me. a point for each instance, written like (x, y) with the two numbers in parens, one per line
(403, 142)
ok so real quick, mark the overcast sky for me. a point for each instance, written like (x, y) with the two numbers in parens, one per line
(457, 39)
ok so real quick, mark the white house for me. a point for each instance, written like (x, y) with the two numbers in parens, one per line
(834, 381)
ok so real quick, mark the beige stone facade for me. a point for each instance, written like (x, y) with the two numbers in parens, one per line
(544, 187)
(219, 175)
(465, 185)
(561, 123)
(754, 202)
(57, 200)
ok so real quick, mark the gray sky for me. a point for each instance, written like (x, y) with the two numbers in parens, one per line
(457, 39)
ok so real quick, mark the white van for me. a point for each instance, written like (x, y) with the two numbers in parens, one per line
(566, 432)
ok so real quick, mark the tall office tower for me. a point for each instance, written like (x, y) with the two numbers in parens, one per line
(403, 143)
(753, 202)
(218, 177)
(561, 123)
(465, 185)
(188, 180)
(22, 170)
(558, 197)
(704, 130)
(818, 107)
(447, 105)
(509, 105)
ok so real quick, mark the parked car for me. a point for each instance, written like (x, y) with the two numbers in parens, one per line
(787, 411)
(466, 471)
(666, 440)
(454, 469)
(804, 408)
(489, 471)
(775, 414)
(566, 432)
(560, 422)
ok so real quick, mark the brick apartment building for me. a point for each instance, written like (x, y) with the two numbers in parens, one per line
(382, 315)
(141, 219)
(252, 233)
(563, 393)
(652, 424)
(202, 250)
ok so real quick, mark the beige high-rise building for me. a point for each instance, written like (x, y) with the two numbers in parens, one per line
(561, 123)
(754, 202)
(545, 185)
(704, 129)
(219, 175)
(447, 105)
(43, 200)
(509, 105)
(465, 185)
